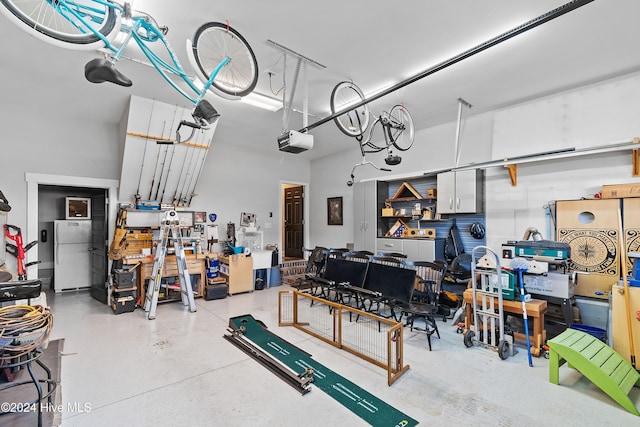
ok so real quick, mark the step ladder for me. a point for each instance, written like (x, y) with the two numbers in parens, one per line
(170, 232)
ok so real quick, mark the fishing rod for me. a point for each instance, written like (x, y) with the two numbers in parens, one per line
(166, 152)
(155, 168)
(164, 160)
(182, 189)
(175, 194)
(144, 155)
(168, 174)
(204, 157)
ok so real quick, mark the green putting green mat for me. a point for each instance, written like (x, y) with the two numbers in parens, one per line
(359, 401)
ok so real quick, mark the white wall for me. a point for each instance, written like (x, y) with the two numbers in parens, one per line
(234, 180)
(432, 150)
(592, 115)
(49, 143)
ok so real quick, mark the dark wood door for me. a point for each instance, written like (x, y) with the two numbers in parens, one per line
(99, 248)
(293, 221)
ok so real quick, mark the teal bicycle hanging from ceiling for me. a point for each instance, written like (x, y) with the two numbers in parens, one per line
(220, 56)
(397, 126)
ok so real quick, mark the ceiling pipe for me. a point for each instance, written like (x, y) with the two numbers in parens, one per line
(555, 13)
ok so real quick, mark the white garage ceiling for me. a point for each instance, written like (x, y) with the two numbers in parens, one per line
(373, 43)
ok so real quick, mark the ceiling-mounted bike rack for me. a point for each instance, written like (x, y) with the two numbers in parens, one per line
(533, 23)
(301, 61)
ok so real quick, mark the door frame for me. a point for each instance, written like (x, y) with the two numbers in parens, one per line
(305, 206)
(35, 179)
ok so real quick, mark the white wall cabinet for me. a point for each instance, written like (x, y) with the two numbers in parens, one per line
(366, 205)
(460, 192)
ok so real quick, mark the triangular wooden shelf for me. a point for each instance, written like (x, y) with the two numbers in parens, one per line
(397, 228)
(406, 192)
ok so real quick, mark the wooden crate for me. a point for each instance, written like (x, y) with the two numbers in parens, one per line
(591, 228)
(138, 241)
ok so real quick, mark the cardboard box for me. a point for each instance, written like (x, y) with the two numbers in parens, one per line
(432, 193)
(387, 211)
(619, 191)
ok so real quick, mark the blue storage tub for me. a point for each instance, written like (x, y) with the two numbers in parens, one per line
(601, 334)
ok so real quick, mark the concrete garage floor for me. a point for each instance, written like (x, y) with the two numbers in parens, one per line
(177, 370)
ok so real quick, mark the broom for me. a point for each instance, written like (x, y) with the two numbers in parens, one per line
(520, 265)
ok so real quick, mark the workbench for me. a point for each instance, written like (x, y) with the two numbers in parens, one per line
(536, 310)
(195, 265)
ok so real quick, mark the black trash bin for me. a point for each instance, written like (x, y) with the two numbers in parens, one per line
(261, 279)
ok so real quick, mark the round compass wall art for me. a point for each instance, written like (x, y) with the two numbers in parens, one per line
(592, 251)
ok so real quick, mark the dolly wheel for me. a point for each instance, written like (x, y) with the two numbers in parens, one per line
(468, 338)
(503, 349)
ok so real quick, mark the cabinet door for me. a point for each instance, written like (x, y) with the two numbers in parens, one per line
(466, 191)
(446, 183)
(365, 214)
(411, 249)
(426, 250)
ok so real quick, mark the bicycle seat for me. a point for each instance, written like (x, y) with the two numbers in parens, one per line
(101, 70)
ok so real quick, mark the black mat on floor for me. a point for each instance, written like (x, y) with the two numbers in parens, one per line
(28, 393)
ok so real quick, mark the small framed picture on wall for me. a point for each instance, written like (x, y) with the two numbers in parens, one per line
(334, 211)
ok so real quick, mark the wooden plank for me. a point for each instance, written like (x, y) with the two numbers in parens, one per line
(402, 191)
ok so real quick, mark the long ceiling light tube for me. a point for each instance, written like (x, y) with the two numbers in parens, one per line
(555, 13)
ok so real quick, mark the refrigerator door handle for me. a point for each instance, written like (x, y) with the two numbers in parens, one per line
(55, 252)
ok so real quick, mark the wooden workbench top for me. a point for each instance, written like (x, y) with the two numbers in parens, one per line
(535, 307)
(150, 258)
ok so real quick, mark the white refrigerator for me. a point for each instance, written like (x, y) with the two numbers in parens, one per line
(72, 254)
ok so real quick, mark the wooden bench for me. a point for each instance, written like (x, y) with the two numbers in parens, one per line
(536, 310)
(596, 361)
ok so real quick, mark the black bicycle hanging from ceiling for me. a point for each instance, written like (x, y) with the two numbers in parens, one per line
(396, 124)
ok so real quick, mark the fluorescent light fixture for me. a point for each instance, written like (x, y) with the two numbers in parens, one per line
(262, 101)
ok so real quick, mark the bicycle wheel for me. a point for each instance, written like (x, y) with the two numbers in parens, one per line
(355, 122)
(401, 132)
(215, 41)
(58, 22)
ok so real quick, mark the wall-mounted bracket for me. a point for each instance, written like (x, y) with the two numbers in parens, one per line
(635, 159)
(513, 173)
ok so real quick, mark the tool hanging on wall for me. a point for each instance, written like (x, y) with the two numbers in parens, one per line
(119, 244)
(18, 250)
(170, 231)
(4, 203)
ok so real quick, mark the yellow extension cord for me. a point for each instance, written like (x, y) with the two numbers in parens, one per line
(19, 321)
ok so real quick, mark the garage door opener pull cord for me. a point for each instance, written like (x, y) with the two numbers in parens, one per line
(170, 230)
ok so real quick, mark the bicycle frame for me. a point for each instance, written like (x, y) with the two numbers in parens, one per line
(388, 125)
(143, 31)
